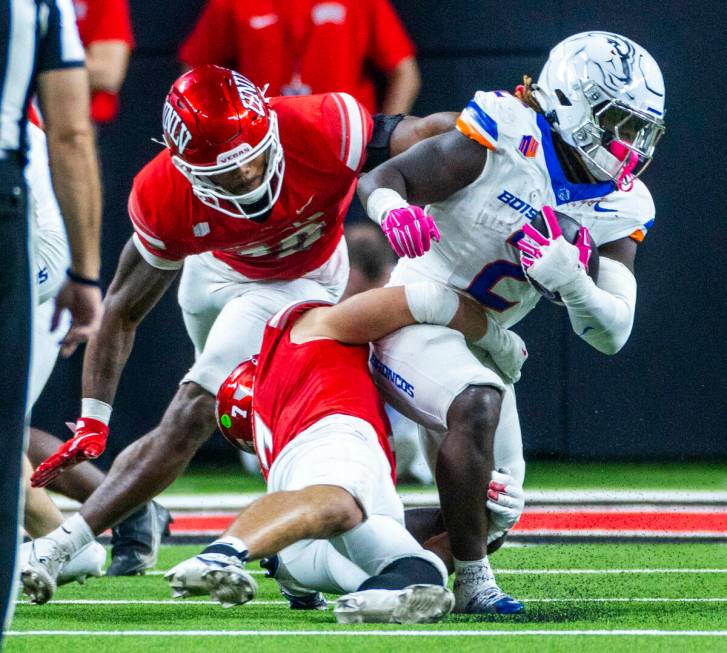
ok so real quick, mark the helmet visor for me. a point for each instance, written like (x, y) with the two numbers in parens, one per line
(637, 131)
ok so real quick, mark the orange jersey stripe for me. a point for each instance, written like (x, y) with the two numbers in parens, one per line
(472, 133)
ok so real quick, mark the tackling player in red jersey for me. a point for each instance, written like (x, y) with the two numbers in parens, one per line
(250, 195)
(331, 514)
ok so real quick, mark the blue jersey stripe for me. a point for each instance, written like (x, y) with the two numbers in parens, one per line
(483, 120)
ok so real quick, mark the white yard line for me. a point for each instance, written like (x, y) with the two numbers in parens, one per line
(183, 602)
(177, 602)
(366, 633)
(554, 572)
(161, 572)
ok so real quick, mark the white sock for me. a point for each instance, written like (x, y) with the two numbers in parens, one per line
(472, 576)
(73, 534)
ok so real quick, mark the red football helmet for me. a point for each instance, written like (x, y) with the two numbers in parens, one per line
(216, 121)
(233, 408)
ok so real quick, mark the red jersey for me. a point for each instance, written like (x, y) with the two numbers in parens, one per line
(297, 385)
(302, 47)
(103, 20)
(324, 139)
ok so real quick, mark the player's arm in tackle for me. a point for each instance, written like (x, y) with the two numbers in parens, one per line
(601, 314)
(371, 315)
(376, 313)
(134, 291)
(412, 129)
(430, 171)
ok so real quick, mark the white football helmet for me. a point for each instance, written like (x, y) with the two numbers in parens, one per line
(604, 95)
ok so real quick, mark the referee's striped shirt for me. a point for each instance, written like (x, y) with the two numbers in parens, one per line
(35, 36)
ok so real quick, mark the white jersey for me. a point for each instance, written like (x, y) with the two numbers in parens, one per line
(481, 223)
(50, 257)
(50, 252)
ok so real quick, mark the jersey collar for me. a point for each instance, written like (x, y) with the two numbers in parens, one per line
(564, 190)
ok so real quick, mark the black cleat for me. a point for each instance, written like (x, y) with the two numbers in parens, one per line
(135, 541)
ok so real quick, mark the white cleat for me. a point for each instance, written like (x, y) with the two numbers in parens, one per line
(219, 576)
(416, 604)
(89, 561)
(40, 573)
(231, 585)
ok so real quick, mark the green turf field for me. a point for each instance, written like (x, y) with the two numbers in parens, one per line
(657, 588)
(540, 476)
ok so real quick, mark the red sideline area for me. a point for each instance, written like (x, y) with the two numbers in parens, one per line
(542, 522)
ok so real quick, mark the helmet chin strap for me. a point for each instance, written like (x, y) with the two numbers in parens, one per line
(625, 179)
(608, 163)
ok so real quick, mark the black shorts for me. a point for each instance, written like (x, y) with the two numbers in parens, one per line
(377, 150)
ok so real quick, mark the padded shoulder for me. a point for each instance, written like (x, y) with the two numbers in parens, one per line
(495, 119)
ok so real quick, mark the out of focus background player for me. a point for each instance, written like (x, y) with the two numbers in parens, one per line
(580, 146)
(106, 33)
(305, 47)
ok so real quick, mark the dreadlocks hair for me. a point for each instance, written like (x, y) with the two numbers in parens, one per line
(524, 93)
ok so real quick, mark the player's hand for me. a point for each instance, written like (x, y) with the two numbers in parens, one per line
(410, 231)
(505, 501)
(84, 303)
(552, 261)
(88, 441)
(511, 358)
(506, 349)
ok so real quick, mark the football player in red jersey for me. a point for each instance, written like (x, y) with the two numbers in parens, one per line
(250, 194)
(332, 514)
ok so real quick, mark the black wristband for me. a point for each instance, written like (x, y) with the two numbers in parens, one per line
(84, 281)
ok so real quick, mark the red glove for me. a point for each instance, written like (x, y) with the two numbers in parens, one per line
(88, 441)
(410, 231)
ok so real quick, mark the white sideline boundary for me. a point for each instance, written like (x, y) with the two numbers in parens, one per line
(579, 498)
(367, 633)
(554, 572)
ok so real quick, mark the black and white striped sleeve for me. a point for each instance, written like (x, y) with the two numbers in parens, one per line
(59, 46)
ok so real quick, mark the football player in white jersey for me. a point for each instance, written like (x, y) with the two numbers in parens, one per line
(576, 140)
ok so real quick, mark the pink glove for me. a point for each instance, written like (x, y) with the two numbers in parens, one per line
(552, 261)
(532, 247)
(409, 231)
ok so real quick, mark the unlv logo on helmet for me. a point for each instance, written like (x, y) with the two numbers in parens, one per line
(175, 129)
(217, 122)
(249, 94)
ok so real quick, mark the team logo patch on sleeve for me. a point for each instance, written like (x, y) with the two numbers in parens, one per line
(528, 146)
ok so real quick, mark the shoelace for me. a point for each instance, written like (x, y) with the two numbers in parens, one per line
(57, 556)
(488, 596)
